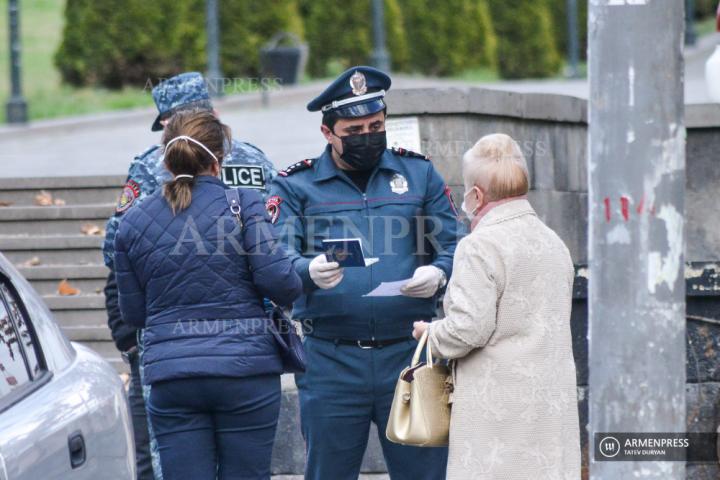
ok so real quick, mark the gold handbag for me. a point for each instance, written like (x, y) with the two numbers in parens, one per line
(420, 412)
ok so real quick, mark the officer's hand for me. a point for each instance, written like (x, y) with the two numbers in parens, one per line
(424, 283)
(325, 274)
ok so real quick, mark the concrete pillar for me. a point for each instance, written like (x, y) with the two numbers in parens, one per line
(636, 168)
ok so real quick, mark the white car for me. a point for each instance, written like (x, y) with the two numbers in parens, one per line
(63, 410)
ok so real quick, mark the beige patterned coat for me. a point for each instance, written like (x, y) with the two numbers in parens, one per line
(507, 322)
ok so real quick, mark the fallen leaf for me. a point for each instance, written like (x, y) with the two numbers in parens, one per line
(91, 229)
(65, 289)
(5, 204)
(34, 261)
(43, 199)
(59, 202)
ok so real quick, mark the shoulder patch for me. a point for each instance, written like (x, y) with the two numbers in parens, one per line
(130, 193)
(272, 206)
(147, 152)
(296, 167)
(409, 153)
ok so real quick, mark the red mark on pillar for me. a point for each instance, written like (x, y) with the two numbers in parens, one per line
(641, 205)
(625, 207)
(608, 211)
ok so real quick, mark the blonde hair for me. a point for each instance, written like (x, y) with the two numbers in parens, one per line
(496, 165)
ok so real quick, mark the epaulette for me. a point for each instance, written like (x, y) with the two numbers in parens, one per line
(409, 153)
(147, 152)
(296, 167)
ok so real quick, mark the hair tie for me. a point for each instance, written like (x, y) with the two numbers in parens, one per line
(184, 175)
(190, 139)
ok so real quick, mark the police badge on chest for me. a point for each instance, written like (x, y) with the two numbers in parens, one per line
(399, 184)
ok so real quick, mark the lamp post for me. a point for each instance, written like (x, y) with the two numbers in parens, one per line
(214, 73)
(16, 107)
(690, 34)
(572, 38)
(380, 57)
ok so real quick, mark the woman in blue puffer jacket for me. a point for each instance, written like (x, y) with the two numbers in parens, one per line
(194, 279)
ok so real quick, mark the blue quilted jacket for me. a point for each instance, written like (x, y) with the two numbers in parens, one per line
(196, 283)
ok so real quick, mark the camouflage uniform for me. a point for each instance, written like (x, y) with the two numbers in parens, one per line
(246, 166)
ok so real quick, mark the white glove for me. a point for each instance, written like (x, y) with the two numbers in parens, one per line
(425, 282)
(325, 274)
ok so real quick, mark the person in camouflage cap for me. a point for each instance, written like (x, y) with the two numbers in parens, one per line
(246, 166)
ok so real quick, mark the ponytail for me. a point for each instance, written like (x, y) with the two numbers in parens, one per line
(178, 193)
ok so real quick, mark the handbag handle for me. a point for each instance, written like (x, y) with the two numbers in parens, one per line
(233, 198)
(423, 342)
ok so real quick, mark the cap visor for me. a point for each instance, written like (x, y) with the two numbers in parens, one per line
(360, 109)
(156, 126)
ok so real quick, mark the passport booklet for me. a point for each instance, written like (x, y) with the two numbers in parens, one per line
(347, 252)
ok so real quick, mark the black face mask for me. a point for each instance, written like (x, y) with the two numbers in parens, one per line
(362, 152)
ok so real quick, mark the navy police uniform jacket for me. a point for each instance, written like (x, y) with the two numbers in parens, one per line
(196, 284)
(405, 218)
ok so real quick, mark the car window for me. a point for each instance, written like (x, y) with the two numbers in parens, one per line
(13, 370)
(21, 325)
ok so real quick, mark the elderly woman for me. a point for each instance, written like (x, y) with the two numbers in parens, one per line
(507, 324)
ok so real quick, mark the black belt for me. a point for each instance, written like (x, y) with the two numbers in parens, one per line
(364, 344)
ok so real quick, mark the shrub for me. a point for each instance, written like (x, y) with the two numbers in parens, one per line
(449, 37)
(526, 45)
(340, 35)
(705, 8)
(247, 25)
(145, 40)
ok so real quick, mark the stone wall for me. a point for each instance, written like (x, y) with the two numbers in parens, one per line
(552, 132)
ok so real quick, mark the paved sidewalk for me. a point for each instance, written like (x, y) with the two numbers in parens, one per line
(104, 144)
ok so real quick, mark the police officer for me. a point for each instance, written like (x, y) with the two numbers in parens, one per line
(400, 207)
(246, 166)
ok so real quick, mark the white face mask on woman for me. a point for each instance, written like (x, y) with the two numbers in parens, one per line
(471, 213)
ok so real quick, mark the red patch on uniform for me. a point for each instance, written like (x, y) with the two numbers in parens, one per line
(448, 194)
(272, 205)
(130, 192)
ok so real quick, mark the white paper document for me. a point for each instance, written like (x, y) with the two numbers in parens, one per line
(388, 289)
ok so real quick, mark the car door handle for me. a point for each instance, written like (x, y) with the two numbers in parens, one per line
(76, 446)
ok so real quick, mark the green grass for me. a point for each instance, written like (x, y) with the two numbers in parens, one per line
(41, 23)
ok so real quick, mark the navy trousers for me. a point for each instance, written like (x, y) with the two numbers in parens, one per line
(215, 427)
(343, 390)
